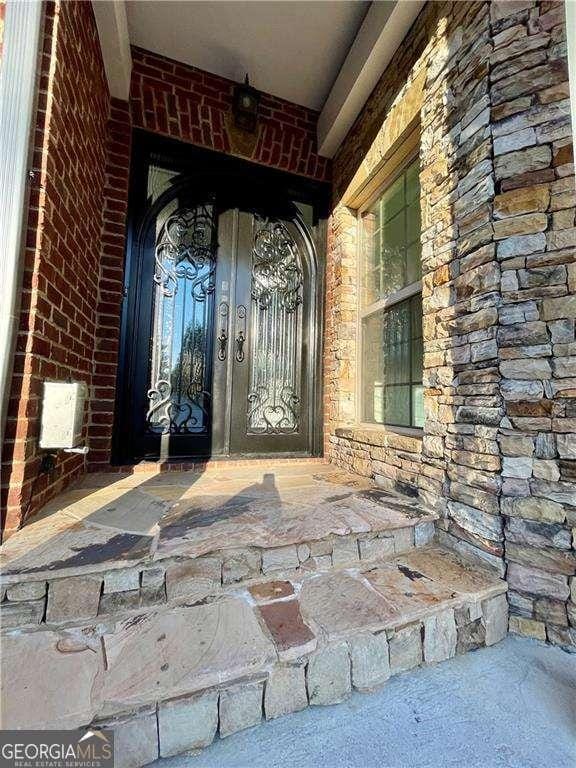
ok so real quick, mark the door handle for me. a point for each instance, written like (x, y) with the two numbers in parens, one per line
(240, 332)
(240, 339)
(223, 338)
(223, 343)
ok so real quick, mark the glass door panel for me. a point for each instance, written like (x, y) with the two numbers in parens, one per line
(269, 400)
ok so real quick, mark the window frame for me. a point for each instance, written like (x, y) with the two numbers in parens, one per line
(407, 292)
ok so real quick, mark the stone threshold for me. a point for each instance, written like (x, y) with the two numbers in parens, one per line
(200, 466)
(169, 679)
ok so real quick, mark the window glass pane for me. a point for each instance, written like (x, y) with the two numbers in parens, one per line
(372, 218)
(416, 338)
(372, 378)
(371, 259)
(392, 338)
(159, 180)
(413, 264)
(393, 254)
(418, 406)
(396, 343)
(398, 406)
(393, 199)
(391, 238)
(413, 182)
(413, 223)
(416, 315)
(417, 355)
(392, 365)
(417, 361)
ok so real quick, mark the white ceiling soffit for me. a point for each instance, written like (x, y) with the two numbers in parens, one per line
(382, 31)
(290, 49)
(112, 24)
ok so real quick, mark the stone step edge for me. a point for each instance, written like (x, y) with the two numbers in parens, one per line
(105, 594)
(363, 661)
(421, 526)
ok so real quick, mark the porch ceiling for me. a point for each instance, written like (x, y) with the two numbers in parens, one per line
(323, 54)
(293, 50)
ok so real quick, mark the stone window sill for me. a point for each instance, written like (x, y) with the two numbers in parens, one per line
(380, 435)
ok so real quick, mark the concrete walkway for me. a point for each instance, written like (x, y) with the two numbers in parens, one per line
(510, 706)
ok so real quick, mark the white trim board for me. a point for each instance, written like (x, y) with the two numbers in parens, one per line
(385, 26)
(112, 24)
(18, 87)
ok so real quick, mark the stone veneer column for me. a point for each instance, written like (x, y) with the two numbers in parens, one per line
(534, 226)
(461, 281)
(340, 322)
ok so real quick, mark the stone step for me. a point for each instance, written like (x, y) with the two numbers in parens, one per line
(169, 678)
(183, 536)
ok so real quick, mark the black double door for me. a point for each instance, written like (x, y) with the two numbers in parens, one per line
(221, 327)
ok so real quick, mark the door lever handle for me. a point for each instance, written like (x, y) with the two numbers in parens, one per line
(240, 332)
(240, 339)
(223, 338)
(223, 343)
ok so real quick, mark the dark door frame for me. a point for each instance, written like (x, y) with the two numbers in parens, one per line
(213, 169)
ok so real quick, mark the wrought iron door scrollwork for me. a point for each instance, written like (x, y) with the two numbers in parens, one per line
(276, 331)
(185, 263)
(278, 418)
(185, 248)
(276, 269)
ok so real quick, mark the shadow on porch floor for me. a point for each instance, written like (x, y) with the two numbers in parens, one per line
(111, 521)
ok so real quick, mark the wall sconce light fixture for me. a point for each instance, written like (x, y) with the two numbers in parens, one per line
(245, 109)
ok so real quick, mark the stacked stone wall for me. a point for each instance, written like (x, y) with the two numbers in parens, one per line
(535, 234)
(498, 262)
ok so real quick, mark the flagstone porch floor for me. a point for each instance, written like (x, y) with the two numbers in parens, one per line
(172, 606)
(110, 521)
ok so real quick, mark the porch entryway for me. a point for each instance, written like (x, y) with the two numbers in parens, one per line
(222, 315)
(172, 605)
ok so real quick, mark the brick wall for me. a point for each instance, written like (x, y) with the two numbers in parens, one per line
(191, 105)
(60, 288)
(488, 82)
(110, 285)
(2, 15)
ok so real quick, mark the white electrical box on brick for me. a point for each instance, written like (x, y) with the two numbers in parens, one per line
(62, 414)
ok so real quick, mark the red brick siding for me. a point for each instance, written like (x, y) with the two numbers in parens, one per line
(2, 15)
(184, 102)
(60, 284)
(111, 285)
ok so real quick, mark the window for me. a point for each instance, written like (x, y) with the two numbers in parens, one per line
(391, 311)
